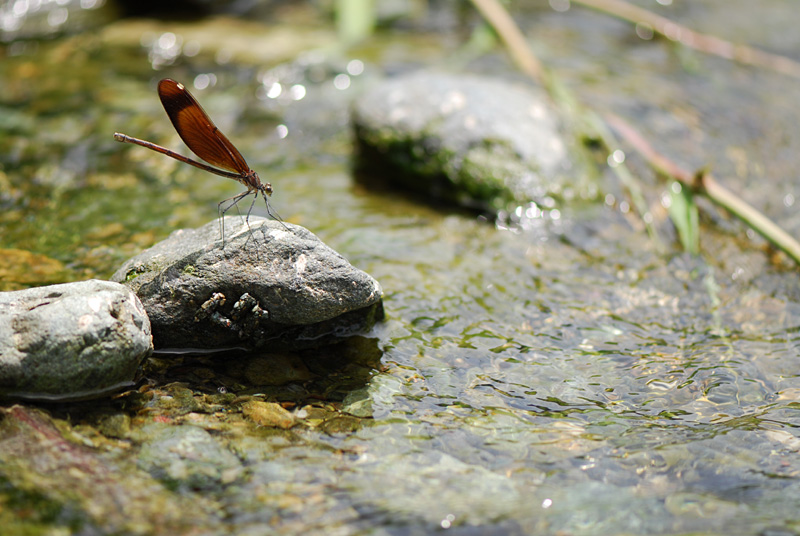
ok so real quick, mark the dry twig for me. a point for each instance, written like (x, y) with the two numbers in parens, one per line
(511, 35)
(696, 40)
(705, 184)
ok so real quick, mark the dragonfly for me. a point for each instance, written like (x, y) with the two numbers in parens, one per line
(205, 140)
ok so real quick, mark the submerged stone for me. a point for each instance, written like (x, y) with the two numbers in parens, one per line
(71, 341)
(268, 414)
(186, 457)
(473, 140)
(270, 285)
(53, 482)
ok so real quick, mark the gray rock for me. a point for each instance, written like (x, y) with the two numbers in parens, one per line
(473, 140)
(271, 285)
(71, 341)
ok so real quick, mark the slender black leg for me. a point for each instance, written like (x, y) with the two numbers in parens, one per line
(221, 211)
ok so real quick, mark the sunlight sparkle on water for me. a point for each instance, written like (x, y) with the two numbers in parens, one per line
(57, 17)
(297, 91)
(274, 90)
(644, 31)
(15, 13)
(164, 49)
(355, 67)
(559, 5)
(167, 40)
(341, 81)
(447, 522)
(666, 200)
(616, 158)
(223, 56)
(202, 81)
(191, 49)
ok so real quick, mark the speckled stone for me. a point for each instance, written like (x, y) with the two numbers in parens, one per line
(69, 341)
(272, 285)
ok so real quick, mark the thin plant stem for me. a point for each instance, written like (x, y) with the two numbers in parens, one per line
(705, 184)
(708, 44)
(511, 35)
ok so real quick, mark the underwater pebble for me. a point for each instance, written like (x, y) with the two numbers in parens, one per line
(186, 457)
(70, 341)
(48, 460)
(271, 285)
(473, 140)
(268, 414)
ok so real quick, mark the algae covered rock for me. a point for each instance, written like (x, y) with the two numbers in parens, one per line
(476, 141)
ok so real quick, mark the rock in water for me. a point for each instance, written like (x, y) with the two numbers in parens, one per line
(186, 457)
(71, 341)
(476, 141)
(272, 285)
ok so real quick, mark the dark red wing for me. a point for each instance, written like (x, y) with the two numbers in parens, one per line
(197, 130)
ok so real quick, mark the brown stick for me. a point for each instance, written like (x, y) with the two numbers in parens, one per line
(511, 35)
(707, 185)
(696, 40)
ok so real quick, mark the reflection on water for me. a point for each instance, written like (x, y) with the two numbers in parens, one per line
(28, 18)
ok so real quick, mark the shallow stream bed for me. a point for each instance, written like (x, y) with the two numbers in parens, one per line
(562, 375)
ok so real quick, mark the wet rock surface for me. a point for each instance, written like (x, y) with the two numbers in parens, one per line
(78, 486)
(74, 340)
(186, 457)
(477, 141)
(272, 285)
